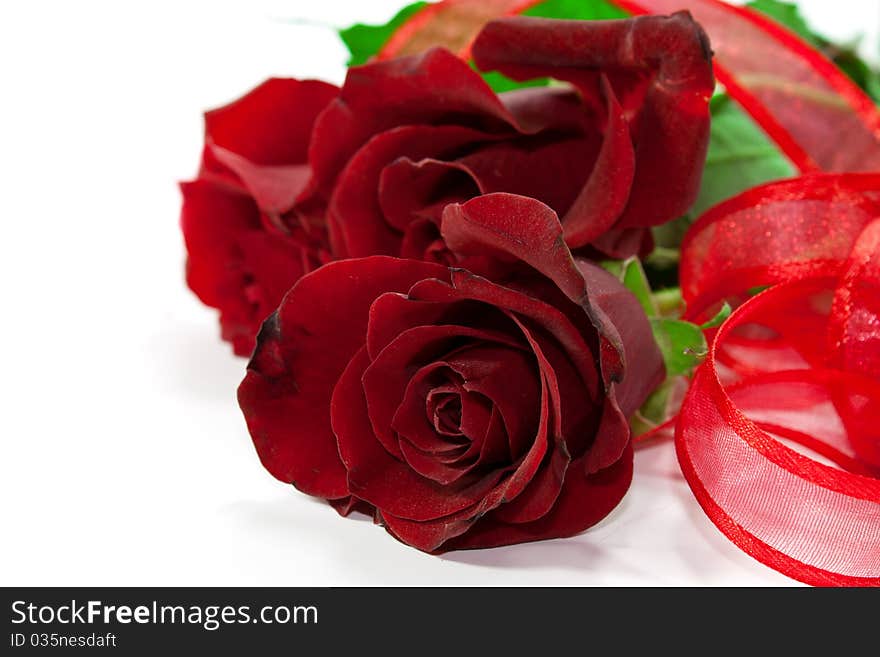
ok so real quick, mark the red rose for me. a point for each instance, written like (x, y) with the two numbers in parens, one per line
(245, 244)
(619, 149)
(462, 412)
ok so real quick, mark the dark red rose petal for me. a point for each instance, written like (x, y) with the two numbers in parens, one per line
(255, 147)
(585, 175)
(299, 357)
(393, 314)
(510, 378)
(576, 363)
(429, 535)
(410, 189)
(580, 411)
(430, 467)
(583, 501)
(467, 286)
(541, 492)
(347, 505)
(469, 419)
(529, 231)
(422, 241)
(550, 318)
(443, 408)
(377, 477)
(272, 124)
(614, 311)
(517, 228)
(563, 111)
(495, 446)
(476, 412)
(490, 449)
(428, 394)
(624, 242)
(546, 167)
(612, 438)
(273, 188)
(660, 67)
(433, 88)
(645, 369)
(357, 226)
(232, 263)
(603, 198)
(579, 414)
(386, 378)
(212, 218)
(274, 264)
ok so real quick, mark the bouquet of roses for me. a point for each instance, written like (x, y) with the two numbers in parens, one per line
(472, 278)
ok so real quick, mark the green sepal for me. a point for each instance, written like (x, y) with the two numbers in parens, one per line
(682, 344)
(719, 317)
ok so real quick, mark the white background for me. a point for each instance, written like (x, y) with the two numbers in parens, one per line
(125, 457)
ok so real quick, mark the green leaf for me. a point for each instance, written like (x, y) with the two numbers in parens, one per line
(635, 281)
(740, 156)
(789, 15)
(719, 317)
(661, 405)
(652, 411)
(872, 86)
(577, 9)
(668, 301)
(364, 41)
(663, 257)
(682, 344)
(630, 273)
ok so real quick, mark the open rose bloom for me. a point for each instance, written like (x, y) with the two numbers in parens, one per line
(246, 244)
(446, 353)
(462, 412)
(298, 173)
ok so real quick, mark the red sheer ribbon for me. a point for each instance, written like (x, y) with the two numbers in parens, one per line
(779, 435)
(772, 233)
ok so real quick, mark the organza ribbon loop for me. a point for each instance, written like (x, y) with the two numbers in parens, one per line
(779, 434)
(796, 228)
(774, 464)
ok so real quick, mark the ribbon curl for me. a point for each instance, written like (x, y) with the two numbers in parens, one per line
(779, 434)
